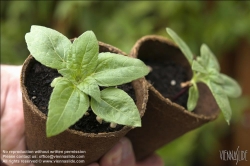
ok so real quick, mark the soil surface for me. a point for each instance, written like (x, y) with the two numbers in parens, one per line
(39, 90)
(166, 78)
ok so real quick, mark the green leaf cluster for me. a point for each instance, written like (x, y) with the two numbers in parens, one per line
(206, 69)
(83, 70)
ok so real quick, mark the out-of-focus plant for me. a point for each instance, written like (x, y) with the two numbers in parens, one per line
(122, 23)
(206, 69)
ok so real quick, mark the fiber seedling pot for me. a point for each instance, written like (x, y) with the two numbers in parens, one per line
(95, 145)
(165, 120)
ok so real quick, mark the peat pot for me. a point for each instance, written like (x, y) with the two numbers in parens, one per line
(165, 120)
(91, 145)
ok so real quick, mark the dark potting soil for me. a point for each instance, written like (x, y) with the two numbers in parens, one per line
(166, 78)
(39, 90)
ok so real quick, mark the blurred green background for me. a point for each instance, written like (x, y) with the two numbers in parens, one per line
(223, 25)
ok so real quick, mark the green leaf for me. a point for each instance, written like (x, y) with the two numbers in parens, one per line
(55, 81)
(68, 73)
(231, 87)
(183, 46)
(117, 106)
(196, 66)
(83, 55)
(215, 76)
(200, 60)
(192, 98)
(221, 99)
(90, 87)
(115, 69)
(48, 46)
(66, 106)
(209, 58)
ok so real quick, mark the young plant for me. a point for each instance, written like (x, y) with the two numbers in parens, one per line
(206, 69)
(83, 70)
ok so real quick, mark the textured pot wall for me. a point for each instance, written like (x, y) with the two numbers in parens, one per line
(164, 120)
(95, 145)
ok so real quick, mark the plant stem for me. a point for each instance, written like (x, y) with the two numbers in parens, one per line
(99, 119)
(183, 90)
(185, 86)
(113, 125)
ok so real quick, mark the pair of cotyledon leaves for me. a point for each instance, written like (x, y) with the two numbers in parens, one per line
(83, 70)
(206, 69)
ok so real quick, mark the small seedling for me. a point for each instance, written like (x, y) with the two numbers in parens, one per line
(206, 69)
(83, 70)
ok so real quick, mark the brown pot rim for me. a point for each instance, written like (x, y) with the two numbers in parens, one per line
(150, 37)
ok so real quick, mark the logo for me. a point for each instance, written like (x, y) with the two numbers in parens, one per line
(234, 155)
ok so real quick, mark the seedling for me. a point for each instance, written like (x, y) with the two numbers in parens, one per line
(206, 69)
(83, 70)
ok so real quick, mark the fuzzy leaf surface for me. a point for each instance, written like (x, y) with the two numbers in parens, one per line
(90, 87)
(193, 94)
(55, 81)
(221, 99)
(182, 45)
(48, 46)
(117, 106)
(196, 66)
(215, 76)
(209, 58)
(230, 86)
(69, 74)
(66, 106)
(83, 55)
(114, 69)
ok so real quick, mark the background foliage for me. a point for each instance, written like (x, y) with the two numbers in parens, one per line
(219, 24)
(222, 25)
